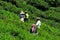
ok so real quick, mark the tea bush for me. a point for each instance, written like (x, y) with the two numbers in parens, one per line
(32, 10)
(11, 28)
(34, 16)
(12, 25)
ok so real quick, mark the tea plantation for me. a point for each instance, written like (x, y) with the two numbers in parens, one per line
(11, 28)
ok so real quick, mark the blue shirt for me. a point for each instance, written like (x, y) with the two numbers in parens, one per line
(22, 15)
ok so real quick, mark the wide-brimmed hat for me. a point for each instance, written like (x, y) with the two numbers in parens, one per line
(38, 18)
(33, 25)
(22, 12)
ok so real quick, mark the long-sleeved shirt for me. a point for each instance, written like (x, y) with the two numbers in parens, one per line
(38, 23)
(27, 15)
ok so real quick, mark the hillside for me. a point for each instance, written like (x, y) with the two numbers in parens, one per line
(11, 28)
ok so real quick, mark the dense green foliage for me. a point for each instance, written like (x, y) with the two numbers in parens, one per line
(11, 28)
(48, 14)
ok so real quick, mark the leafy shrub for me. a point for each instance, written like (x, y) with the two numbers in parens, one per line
(10, 7)
(57, 9)
(31, 9)
(50, 30)
(39, 2)
(37, 12)
(10, 25)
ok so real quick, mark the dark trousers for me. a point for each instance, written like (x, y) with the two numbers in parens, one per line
(25, 19)
(33, 32)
